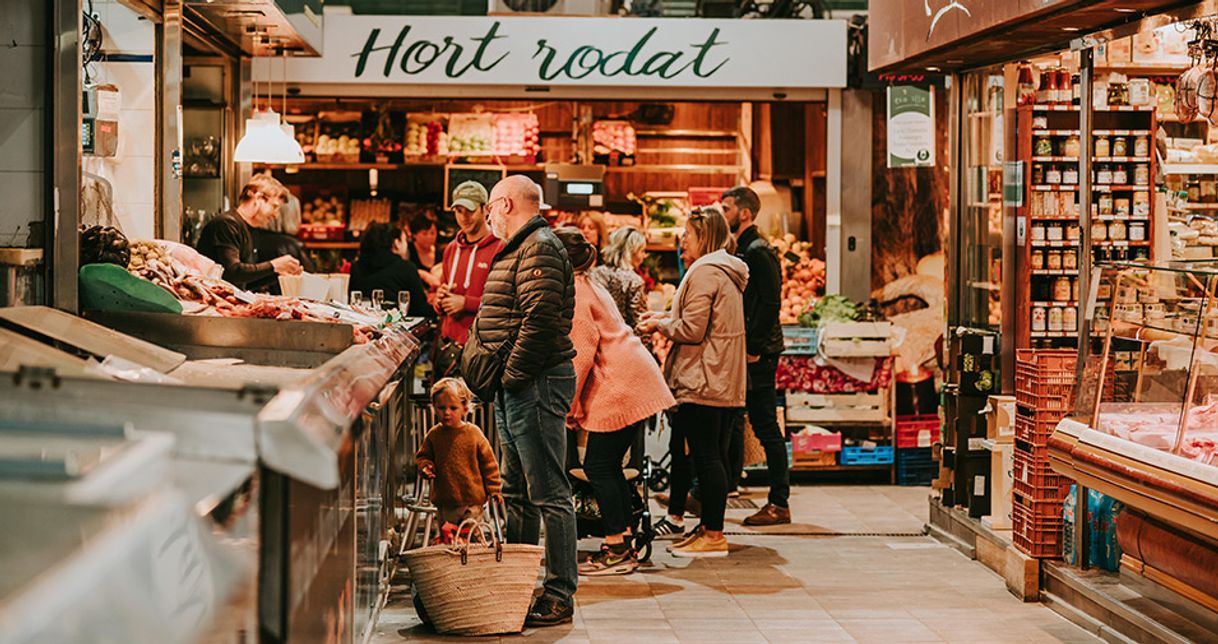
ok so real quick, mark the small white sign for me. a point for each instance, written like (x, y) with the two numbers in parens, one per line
(911, 126)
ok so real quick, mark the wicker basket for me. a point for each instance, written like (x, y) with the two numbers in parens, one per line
(476, 588)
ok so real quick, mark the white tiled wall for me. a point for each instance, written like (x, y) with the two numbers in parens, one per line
(131, 172)
(23, 187)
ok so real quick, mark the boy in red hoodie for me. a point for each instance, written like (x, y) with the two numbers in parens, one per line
(467, 262)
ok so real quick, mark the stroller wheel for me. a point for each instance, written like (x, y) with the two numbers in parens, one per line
(644, 553)
(658, 482)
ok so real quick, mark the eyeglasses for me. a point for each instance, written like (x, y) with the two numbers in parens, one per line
(490, 204)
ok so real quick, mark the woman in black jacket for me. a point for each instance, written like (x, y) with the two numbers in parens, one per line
(380, 265)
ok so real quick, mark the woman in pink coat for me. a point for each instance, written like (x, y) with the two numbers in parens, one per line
(618, 386)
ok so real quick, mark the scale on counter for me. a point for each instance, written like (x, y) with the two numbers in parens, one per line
(575, 187)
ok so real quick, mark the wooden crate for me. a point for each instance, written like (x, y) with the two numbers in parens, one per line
(855, 339)
(837, 408)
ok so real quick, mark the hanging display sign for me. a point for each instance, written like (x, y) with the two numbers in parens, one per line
(606, 52)
(911, 127)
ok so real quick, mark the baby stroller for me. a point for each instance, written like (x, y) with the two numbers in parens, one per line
(638, 470)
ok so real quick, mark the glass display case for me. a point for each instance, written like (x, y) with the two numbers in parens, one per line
(1155, 382)
(981, 225)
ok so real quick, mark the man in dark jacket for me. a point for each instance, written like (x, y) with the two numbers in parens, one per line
(763, 336)
(529, 301)
(229, 242)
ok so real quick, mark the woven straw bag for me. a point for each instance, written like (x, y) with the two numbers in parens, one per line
(473, 587)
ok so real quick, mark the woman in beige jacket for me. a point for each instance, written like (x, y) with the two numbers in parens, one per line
(706, 370)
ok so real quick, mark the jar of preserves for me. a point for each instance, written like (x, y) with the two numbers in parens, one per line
(1104, 291)
(1118, 94)
(1070, 175)
(1055, 319)
(1116, 230)
(1103, 147)
(1038, 232)
(1053, 260)
(1120, 207)
(1073, 233)
(1061, 289)
(1070, 319)
(1043, 146)
(1038, 260)
(1208, 193)
(1054, 233)
(1053, 175)
(1141, 174)
(1120, 146)
(1038, 174)
(1071, 148)
(1070, 259)
(1137, 231)
(1039, 321)
(1104, 207)
(1120, 176)
(1099, 231)
(1103, 176)
(1141, 204)
(1141, 147)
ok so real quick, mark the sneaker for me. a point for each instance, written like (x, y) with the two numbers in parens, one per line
(770, 514)
(668, 531)
(549, 612)
(686, 538)
(702, 546)
(610, 561)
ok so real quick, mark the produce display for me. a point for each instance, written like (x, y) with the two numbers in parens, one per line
(104, 245)
(803, 277)
(614, 136)
(338, 137)
(343, 149)
(517, 135)
(425, 136)
(305, 128)
(471, 135)
(384, 140)
(320, 210)
(831, 308)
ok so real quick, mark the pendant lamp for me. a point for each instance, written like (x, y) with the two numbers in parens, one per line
(267, 139)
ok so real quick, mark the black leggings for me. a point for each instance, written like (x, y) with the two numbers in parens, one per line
(603, 465)
(703, 428)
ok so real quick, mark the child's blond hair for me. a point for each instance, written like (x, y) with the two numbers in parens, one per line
(455, 387)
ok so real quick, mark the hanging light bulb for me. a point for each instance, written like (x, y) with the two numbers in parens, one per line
(267, 139)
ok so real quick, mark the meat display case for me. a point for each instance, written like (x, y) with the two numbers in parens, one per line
(1144, 429)
(307, 456)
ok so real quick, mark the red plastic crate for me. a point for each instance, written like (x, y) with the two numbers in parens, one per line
(917, 431)
(1035, 479)
(1036, 536)
(1045, 378)
(1035, 428)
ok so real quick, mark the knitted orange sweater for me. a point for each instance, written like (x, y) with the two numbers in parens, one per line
(465, 467)
(617, 382)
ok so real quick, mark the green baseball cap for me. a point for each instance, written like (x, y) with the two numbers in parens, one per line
(470, 195)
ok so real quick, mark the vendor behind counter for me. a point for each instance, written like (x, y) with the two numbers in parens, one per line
(229, 239)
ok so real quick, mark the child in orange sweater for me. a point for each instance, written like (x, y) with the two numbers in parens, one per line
(457, 456)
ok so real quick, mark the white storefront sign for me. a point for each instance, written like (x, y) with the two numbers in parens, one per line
(588, 52)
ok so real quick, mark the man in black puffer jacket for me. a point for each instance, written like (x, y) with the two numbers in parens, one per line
(530, 296)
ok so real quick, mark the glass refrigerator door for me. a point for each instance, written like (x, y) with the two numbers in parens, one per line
(980, 226)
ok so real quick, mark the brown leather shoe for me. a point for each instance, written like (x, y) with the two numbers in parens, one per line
(769, 515)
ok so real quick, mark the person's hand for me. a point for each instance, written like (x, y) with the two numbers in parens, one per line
(648, 325)
(286, 265)
(449, 304)
(497, 498)
(429, 471)
(752, 359)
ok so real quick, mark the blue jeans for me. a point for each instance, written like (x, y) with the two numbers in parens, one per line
(532, 427)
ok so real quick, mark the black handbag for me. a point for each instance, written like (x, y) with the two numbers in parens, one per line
(482, 366)
(446, 358)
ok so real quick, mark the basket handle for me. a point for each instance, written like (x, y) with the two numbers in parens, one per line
(462, 547)
(497, 513)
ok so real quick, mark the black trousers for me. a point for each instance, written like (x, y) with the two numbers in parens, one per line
(603, 465)
(703, 429)
(762, 406)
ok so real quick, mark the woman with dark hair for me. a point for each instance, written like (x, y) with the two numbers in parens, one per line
(618, 386)
(380, 265)
(422, 247)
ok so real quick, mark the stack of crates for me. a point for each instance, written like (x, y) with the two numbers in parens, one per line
(1044, 388)
(915, 437)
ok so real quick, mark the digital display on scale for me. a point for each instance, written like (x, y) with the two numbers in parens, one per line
(579, 188)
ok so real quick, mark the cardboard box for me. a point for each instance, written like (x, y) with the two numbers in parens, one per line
(1000, 419)
(1002, 480)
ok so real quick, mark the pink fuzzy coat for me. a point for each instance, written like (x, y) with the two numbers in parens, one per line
(617, 381)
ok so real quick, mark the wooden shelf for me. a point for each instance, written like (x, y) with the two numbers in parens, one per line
(1116, 218)
(1055, 187)
(1056, 159)
(1053, 334)
(1054, 303)
(687, 134)
(1190, 168)
(1053, 132)
(1202, 206)
(1121, 160)
(1110, 108)
(1047, 272)
(1120, 244)
(680, 167)
(1120, 132)
(1055, 244)
(1108, 187)
(331, 245)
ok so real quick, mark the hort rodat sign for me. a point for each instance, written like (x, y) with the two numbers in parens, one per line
(606, 52)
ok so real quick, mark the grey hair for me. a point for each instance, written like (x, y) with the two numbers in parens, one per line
(623, 244)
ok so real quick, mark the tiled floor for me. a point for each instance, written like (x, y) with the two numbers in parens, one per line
(827, 579)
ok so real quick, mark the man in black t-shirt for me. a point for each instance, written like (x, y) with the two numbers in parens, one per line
(228, 239)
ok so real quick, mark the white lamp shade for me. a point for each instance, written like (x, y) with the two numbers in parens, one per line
(265, 141)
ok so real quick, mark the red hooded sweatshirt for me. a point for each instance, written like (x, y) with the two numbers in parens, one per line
(465, 269)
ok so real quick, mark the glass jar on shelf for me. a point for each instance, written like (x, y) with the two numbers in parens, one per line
(1099, 231)
(1038, 174)
(1103, 174)
(1039, 321)
(1073, 233)
(1137, 231)
(1070, 259)
(1103, 147)
(1070, 319)
(1117, 230)
(1070, 175)
(1038, 232)
(1053, 175)
(1141, 146)
(1120, 176)
(1038, 260)
(1061, 289)
(1104, 207)
(1120, 146)
(1141, 174)
(1053, 260)
(1071, 147)
(1043, 146)
(1054, 233)
(1141, 204)
(1120, 207)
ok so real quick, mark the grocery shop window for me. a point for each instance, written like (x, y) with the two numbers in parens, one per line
(980, 226)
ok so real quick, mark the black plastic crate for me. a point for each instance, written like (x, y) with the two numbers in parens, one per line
(916, 466)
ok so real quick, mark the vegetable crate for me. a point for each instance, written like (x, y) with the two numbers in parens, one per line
(916, 466)
(1035, 427)
(855, 339)
(917, 431)
(810, 443)
(1045, 379)
(1034, 477)
(805, 407)
(879, 455)
(798, 340)
(1036, 526)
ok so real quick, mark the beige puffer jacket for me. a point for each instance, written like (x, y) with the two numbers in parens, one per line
(707, 363)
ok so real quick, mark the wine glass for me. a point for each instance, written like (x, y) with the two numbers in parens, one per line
(378, 298)
(356, 299)
(404, 302)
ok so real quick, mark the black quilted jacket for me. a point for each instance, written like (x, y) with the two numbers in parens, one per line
(531, 287)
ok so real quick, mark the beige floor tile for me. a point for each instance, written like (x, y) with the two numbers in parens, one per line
(889, 630)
